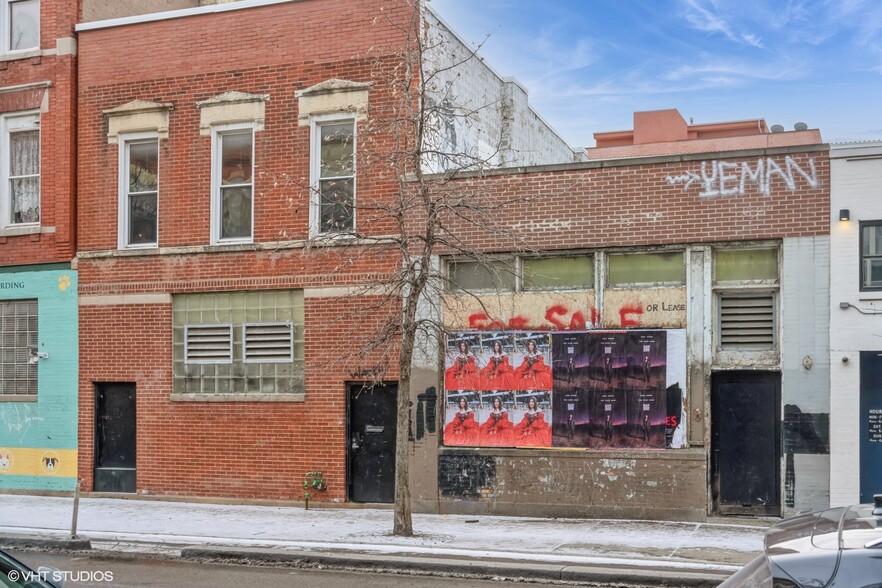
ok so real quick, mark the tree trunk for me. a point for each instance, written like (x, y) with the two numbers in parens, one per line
(403, 525)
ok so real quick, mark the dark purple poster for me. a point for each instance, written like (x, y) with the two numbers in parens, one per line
(645, 356)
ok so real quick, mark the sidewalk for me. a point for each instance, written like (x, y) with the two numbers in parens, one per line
(699, 554)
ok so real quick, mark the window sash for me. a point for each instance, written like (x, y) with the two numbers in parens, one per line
(20, 169)
(22, 29)
(497, 275)
(233, 185)
(661, 268)
(141, 189)
(745, 265)
(333, 165)
(558, 273)
(871, 256)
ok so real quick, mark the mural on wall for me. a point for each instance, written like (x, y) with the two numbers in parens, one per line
(578, 389)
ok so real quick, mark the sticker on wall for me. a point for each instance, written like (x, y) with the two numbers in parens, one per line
(6, 460)
(50, 463)
(63, 283)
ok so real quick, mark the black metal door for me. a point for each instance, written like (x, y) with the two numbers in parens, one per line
(745, 442)
(372, 424)
(115, 437)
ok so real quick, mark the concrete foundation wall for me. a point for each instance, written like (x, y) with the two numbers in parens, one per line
(651, 485)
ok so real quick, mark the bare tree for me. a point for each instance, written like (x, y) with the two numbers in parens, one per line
(441, 199)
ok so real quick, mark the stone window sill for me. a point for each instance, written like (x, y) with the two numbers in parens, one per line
(18, 397)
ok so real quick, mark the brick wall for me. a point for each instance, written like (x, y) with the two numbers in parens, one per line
(56, 242)
(236, 448)
(633, 203)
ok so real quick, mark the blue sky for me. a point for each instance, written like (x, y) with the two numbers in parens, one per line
(589, 64)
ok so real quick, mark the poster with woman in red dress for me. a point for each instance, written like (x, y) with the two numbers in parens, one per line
(498, 373)
(462, 428)
(533, 373)
(533, 430)
(462, 373)
(497, 430)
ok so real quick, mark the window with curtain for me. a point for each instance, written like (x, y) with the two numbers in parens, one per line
(21, 146)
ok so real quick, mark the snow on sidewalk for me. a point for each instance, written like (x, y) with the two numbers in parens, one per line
(369, 530)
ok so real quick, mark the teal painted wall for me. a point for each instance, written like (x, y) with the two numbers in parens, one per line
(32, 431)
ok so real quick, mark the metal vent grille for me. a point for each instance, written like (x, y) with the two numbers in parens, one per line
(208, 343)
(268, 342)
(747, 321)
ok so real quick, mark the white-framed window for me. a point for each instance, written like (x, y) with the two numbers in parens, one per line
(19, 169)
(20, 21)
(139, 191)
(332, 160)
(871, 255)
(232, 184)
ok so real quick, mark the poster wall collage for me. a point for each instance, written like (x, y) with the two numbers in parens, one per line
(572, 389)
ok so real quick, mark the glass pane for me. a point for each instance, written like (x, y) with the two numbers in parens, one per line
(746, 264)
(873, 276)
(25, 200)
(646, 268)
(559, 272)
(492, 275)
(236, 158)
(24, 25)
(143, 167)
(235, 213)
(142, 219)
(336, 205)
(337, 150)
(24, 150)
(872, 240)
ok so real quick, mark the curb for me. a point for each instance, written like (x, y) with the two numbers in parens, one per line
(22, 542)
(463, 566)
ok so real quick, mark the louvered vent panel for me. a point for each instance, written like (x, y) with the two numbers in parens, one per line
(269, 343)
(209, 343)
(747, 322)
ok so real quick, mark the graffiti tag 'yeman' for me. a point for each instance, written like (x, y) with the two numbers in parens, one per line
(726, 178)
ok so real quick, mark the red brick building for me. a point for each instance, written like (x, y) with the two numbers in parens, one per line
(225, 182)
(38, 288)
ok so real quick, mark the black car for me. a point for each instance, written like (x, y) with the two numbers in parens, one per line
(834, 548)
(14, 574)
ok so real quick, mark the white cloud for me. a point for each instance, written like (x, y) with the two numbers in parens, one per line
(711, 20)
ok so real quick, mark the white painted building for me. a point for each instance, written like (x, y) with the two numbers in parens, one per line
(855, 322)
